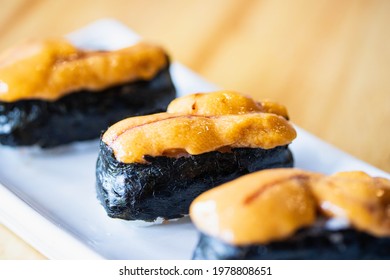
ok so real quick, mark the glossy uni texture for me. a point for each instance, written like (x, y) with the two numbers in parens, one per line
(165, 186)
(52, 68)
(200, 123)
(53, 93)
(288, 213)
(172, 134)
(81, 115)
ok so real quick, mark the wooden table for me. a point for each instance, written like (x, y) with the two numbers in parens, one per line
(327, 60)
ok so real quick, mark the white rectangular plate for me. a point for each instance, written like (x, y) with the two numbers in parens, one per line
(49, 198)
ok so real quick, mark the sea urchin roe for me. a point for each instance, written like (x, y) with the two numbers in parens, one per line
(223, 102)
(258, 208)
(272, 204)
(274, 108)
(153, 135)
(363, 200)
(51, 69)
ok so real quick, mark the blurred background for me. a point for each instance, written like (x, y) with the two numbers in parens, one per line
(328, 61)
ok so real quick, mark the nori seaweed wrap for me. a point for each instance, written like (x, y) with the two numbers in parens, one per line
(293, 214)
(314, 243)
(153, 166)
(165, 186)
(75, 95)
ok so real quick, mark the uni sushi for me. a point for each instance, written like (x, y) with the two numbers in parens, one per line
(154, 166)
(52, 93)
(294, 214)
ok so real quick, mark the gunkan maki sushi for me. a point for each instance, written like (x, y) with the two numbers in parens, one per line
(52, 93)
(153, 166)
(288, 213)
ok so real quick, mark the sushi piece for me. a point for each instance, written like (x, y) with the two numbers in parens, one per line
(52, 93)
(289, 213)
(153, 166)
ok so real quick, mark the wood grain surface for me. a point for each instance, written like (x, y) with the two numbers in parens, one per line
(328, 61)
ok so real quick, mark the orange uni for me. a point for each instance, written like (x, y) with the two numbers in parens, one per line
(51, 69)
(223, 102)
(257, 208)
(363, 200)
(273, 204)
(200, 123)
(153, 135)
